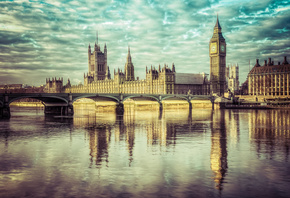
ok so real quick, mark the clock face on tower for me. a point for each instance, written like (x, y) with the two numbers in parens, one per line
(213, 48)
(222, 48)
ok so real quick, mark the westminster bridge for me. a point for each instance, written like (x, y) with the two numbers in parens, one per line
(62, 103)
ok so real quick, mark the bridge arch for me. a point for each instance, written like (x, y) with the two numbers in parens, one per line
(141, 96)
(44, 99)
(95, 96)
(175, 96)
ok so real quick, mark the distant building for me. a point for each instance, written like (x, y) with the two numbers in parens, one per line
(20, 88)
(163, 80)
(270, 79)
(232, 78)
(191, 83)
(11, 86)
(54, 85)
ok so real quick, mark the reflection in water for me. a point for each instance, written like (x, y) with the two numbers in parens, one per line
(178, 153)
(270, 130)
(218, 156)
(232, 124)
(159, 131)
(99, 139)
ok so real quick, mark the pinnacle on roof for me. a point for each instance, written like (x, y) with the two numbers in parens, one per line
(217, 25)
(285, 62)
(129, 55)
(257, 63)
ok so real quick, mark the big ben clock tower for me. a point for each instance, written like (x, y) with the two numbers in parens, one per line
(217, 53)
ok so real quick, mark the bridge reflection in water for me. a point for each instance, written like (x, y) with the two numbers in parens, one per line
(202, 152)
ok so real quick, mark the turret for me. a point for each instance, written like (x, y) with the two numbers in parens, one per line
(108, 75)
(285, 62)
(269, 62)
(89, 50)
(257, 63)
(265, 62)
(96, 47)
(173, 67)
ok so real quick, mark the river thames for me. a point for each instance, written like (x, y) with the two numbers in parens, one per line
(176, 153)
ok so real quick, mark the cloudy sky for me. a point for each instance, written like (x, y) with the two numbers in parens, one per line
(50, 38)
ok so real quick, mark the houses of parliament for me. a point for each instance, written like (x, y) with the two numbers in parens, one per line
(159, 80)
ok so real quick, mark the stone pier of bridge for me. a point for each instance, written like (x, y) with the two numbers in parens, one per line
(60, 109)
(4, 107)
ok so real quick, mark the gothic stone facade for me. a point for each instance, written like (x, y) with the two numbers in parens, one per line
(163, 80)
(270, 79)
(54, 85)
(232, 78)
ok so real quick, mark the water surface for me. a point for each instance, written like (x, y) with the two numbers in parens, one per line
(176, 153)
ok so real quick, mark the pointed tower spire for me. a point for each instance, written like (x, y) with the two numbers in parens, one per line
(217, 25)
(97, 37)
(129, 56)
(105, 49)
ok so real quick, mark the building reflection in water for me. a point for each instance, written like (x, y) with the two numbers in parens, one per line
(161, 132)
(232, 125)
(218, 155)
(98, 133)
(270, 131)
(128, 124)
